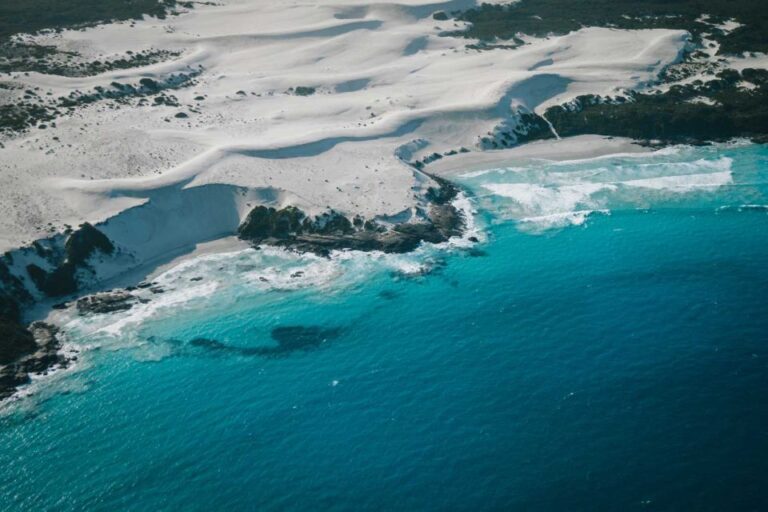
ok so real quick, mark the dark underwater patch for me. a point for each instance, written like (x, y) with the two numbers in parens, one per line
(297, 337)
(289, 339)
(388, 294)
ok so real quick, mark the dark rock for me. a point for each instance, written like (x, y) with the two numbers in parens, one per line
(80, 246)
(82, 243)
(57, 283)
(263, 222)
(11, 287)
(105, 303)
(446, 219)
(37, 357)
(45, 335)
(61, 305)
(10, 379)
(9, 308)
(39, 362)
(15, 341)
(38, 275)
(291, 228)
(332, 223)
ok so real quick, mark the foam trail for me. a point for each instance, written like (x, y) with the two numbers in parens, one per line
(559, 194)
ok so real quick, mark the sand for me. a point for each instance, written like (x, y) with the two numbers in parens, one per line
(388, 85)
(571, 148)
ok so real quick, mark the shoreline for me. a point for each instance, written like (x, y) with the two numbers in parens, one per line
(216, 137)
(121, 291)
(579, 147)
(110, 292)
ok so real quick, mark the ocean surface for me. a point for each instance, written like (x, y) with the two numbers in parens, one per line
(604, 347)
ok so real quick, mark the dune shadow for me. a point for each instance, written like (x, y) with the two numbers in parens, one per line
(415, 46)
(534, 91)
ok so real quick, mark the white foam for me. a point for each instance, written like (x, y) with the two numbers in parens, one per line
(684, 183)
(248, 272)
(546, 200)
(558, 220)
(251, 131)
(560, 194)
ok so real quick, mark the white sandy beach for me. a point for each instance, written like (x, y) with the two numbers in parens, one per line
(387, 84)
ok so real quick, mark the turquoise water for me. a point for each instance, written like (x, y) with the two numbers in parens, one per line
(615, 358)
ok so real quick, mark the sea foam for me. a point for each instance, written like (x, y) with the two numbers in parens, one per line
(550, 195)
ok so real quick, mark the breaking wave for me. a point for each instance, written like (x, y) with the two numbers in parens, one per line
(551, 195)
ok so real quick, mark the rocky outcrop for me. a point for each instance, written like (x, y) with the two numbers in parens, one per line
(84, 242)
(292, 228)
(79, 247)
(60, 265)
(40, 353)
(23, 350)
(108, 302)
(12, 290)
(15, 341)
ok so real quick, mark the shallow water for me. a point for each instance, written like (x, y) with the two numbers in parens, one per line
(604, 349)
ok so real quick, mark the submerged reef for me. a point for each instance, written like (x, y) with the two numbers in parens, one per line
(65, 266)
(289, 339)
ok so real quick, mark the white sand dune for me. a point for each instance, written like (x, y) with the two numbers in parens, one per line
(385, 80)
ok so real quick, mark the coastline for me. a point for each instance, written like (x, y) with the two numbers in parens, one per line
(415, 255)
(117, 291)
(119, 288)
(580, 147)
(214, 136)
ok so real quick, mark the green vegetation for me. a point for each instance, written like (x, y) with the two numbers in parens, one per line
(304, 91)
(717, 110)
(21, 110)
(35, 110)
(29, 16)
(722, 105)
(544, 17)
(18, 57)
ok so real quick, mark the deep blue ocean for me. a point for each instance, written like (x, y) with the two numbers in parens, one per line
(604, 347)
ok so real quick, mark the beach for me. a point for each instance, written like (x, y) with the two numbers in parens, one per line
(387, 90)
(316, 255)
